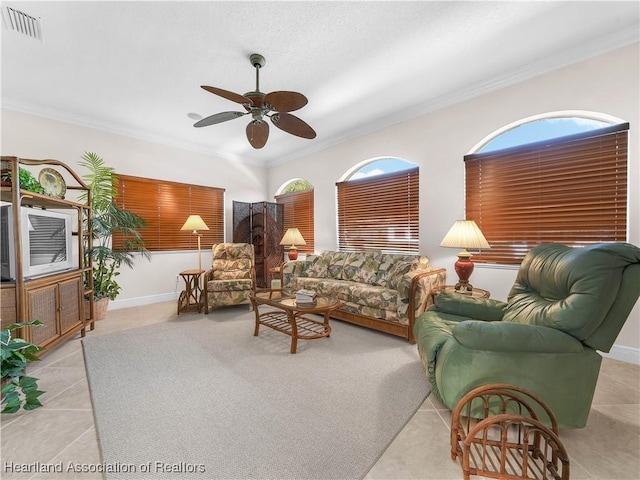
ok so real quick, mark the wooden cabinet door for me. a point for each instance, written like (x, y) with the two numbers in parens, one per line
(70, 296)
(42, 305)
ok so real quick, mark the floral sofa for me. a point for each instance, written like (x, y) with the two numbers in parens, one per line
(385, 292)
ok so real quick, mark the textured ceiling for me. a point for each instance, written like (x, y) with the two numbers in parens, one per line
(136, 67)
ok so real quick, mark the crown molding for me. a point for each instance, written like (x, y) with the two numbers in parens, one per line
(579, 53)
(82, 121)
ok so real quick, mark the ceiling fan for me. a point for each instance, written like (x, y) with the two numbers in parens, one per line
(274, 105)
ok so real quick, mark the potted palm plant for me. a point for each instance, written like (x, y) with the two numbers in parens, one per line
(107, 218)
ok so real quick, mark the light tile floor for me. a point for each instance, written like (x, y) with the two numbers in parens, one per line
(608, 448)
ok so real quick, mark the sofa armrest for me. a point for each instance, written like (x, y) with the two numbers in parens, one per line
(478, 308)
(414, 289)
(292, 269)
(514, 337)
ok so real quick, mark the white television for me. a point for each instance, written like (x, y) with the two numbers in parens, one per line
(45, 238)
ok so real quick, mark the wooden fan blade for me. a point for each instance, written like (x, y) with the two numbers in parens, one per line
(284, 101)
(257, 133)
(218, 118)
(234, 97)
(293, 125)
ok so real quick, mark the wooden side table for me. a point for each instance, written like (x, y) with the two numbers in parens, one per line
(476, 292)
(191, 296)
(276, 275)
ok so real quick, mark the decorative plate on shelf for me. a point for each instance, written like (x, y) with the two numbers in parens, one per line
(52, 183)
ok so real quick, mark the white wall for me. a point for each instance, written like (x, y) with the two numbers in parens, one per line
(438, 141)
(34, 137)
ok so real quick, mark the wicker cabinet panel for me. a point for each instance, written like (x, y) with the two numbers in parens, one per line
(56, 302)
(42, 306)
(70, 298)
(8, 304)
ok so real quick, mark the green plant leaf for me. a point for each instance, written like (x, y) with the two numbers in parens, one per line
(11, 402)
(21, 390)
(32, 404)
(26, 179)
(28, 383)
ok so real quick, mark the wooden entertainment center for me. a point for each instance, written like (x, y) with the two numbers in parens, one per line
(62, 301)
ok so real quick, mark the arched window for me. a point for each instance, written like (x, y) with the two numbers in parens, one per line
(378, 207)
(541, 129)
(547, 180)
(297, 198)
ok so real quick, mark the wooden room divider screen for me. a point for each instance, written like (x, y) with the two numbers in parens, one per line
(261, 224)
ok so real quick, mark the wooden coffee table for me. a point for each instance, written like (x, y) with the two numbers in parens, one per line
(291, 318)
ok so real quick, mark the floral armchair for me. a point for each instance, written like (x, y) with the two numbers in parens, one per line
(232, 277)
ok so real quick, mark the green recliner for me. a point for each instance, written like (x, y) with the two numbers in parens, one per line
(566, 304)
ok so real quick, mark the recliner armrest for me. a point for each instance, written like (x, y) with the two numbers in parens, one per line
(514, 337)
(478, 308)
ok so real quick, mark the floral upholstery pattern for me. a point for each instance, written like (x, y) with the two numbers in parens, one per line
(362, 267)
(232, 276)
(231, 269)
(372, 284)
(315, 266)
(231, 285)
(336, 264)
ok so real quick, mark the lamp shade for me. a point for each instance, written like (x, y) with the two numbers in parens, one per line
(194, 223)
(465, 234)
(292, 237)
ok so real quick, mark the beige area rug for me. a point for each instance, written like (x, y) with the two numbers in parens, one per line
(204, 398)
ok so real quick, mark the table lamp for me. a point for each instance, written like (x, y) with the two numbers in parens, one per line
(464, 234)
(292, 237)
(195, 223)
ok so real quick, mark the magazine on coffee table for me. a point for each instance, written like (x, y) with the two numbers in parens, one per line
(305, 297)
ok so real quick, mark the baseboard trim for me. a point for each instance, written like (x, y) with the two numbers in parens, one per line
(138, 301)
(624, 354)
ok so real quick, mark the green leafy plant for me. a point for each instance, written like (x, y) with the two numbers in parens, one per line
(18, 389)
(27, 180)
(107, 218)
(299, 185)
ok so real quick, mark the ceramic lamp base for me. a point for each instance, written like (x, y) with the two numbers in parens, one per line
(464, 268)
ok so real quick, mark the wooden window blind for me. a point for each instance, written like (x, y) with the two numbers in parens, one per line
(298, 213)
(165, 206)
(379, 213)
(570, 190)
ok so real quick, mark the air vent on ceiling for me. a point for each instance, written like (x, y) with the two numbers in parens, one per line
(22, 23)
